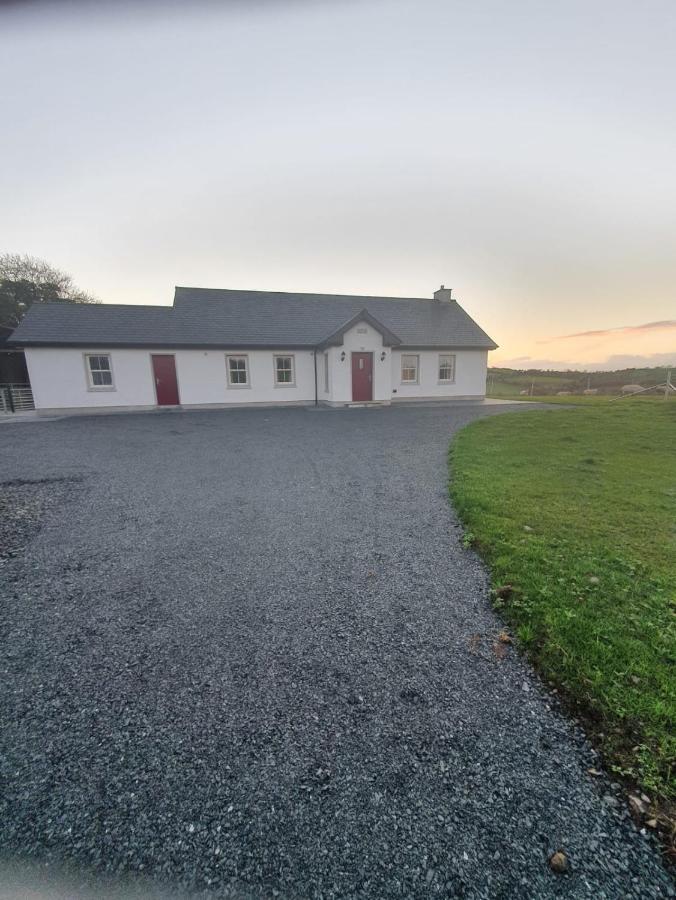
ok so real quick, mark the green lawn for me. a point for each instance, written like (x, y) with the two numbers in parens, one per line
(599, 400)
(575, 509)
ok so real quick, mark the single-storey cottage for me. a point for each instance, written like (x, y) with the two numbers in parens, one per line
(221, 348)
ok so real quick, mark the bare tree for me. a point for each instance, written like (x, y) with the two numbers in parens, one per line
(25, 280)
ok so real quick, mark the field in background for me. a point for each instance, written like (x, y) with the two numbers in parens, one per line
(642, 400)
(575, 512)
(511, 382)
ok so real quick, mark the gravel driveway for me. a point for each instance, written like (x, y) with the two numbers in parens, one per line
(246, 654)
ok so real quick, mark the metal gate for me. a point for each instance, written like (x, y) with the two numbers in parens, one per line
(16, 398)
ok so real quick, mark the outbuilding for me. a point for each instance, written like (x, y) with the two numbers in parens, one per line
(223, 348)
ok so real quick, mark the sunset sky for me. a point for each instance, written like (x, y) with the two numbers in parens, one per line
(523, 153)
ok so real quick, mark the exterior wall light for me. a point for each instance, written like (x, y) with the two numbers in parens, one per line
(342, 356)
(382, 356)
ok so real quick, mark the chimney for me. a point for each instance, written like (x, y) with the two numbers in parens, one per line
(443, 294)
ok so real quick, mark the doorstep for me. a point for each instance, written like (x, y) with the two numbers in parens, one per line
(376, 404)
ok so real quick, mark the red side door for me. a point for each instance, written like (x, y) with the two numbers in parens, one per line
(166, 385)
(362, 376)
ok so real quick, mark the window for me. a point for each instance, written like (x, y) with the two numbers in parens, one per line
(326, 373)
(446, 368)
(99, 372)
(409, 369)
(238, 371)
(284, 370)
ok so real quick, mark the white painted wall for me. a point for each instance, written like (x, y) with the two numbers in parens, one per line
(324, 393)
(470, 371)
(203, 378)
(360, 338)
(59, 378)
(470, 374)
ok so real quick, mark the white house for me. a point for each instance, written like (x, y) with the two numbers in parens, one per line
(222, 348)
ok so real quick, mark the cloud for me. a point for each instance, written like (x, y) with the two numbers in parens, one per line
(664, 325)
(610, 364)
(630, 361)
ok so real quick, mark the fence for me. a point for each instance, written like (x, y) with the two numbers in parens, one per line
(15, 398)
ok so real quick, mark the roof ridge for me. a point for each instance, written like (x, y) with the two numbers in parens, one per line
(183, 287)
(103, 305)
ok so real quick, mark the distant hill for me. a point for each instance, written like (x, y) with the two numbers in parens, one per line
(511, 382)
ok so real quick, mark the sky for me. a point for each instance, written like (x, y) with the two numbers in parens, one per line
(523, 153)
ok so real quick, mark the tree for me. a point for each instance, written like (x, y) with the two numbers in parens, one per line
(25, 280)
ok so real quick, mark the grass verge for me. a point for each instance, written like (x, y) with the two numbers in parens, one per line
(575, 512)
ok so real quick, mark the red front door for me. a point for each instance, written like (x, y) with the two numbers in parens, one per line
(166, 386)
(362, 376)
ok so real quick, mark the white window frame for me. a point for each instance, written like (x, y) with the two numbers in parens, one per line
(284, 384)
(416, 357)
(450, 365)
(90, 375)
(236, 384)
(326, 372)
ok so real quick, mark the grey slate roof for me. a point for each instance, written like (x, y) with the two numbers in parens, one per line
(202, 317)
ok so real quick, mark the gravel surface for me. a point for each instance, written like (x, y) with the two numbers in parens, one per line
(246, 655)
(23, 504)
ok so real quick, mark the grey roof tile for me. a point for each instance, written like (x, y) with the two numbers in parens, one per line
(202, 317)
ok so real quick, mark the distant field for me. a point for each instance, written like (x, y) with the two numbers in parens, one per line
(575, 512)
(604, 400)
(513, 382)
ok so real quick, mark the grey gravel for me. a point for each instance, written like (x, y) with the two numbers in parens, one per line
(247, 655)
(23, 503)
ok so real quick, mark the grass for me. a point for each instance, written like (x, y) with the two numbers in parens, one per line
(575, 512)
